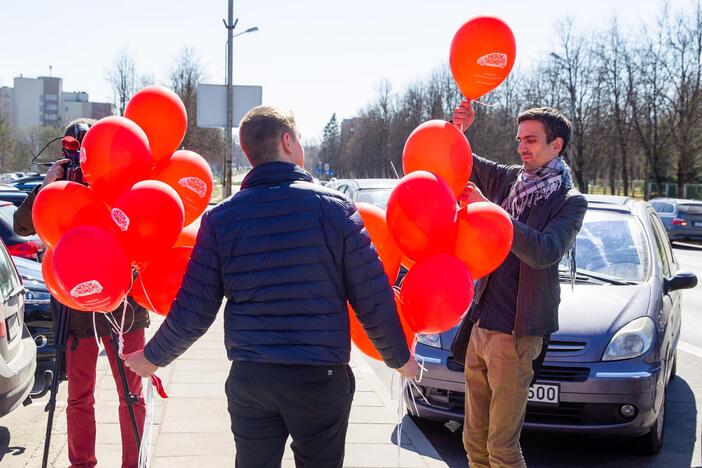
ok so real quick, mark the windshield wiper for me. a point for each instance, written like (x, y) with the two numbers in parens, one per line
(586, 276)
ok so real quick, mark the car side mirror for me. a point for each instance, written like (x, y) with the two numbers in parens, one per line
(681, 280)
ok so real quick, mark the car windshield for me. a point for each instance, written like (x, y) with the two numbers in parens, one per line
(375, 196)
(611, 245)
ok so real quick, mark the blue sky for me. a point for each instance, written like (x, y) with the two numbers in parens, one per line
(314, 57)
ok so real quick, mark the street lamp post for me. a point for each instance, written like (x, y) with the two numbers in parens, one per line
(229, 138)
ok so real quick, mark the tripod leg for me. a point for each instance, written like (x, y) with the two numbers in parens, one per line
(59, 347)
(128, 396)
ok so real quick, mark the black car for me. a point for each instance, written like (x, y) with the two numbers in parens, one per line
(37, 313)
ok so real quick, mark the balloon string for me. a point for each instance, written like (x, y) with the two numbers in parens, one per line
(486, 104)
(406, 386)
(145, 447)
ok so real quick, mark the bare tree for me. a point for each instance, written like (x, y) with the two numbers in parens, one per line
(683, 67)
(185, 76)
(123, 79)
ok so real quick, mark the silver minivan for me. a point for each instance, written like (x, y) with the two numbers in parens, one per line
(607, 368)
(17, 349)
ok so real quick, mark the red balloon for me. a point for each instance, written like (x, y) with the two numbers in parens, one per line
(361, 340)
(63, 205)
(436, 293)
(406, 262)
(158, 284)
(91, 268)
(149, 218)
(484, 239)
(51, 284)
(188, 235)
(115, 155)
(439, 147)
(161, 114)
(421, 215)
(482, 55)
(390, 255)
(188, 174)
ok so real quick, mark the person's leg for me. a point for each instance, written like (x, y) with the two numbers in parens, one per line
(133, 341)
(509, 362)
(477, 401)
(315, 402)
(81, 358)
(258, 428)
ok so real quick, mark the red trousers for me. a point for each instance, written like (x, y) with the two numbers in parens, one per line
(81, 362)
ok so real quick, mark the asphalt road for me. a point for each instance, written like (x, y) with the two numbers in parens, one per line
(682, 446)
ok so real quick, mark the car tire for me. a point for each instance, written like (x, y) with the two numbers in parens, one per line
(652, 442)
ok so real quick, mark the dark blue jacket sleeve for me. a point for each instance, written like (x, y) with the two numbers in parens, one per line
(196, 304)
(369, 292)
(490, 177)
(541, 249)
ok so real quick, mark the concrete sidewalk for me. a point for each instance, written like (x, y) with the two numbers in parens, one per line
(191, 427)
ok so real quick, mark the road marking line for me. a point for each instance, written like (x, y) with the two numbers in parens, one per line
(690, 349)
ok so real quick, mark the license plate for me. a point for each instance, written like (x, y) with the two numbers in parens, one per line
(697, 224)
(13, 326)
(544, 393)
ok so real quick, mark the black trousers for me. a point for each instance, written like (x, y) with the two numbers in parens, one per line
(268, 402)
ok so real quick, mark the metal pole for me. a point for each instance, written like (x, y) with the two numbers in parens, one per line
(129, 397)
(60, 338)
(227, 169)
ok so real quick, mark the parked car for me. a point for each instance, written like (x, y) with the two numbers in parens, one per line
(30, 247)
(27, 185)
(37, 311)
(13, 195)
(682, 218)
(607, 368)
(375, 191)
(17, 349)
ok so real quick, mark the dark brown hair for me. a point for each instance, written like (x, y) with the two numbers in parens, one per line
(554, 122)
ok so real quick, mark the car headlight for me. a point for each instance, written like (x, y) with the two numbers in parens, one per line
(632, 340)
(430, 339)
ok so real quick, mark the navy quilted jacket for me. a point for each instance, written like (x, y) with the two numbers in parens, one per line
(287, 254)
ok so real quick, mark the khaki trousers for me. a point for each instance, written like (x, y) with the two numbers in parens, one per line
(498, 373)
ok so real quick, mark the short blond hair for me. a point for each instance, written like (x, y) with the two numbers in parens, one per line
(260, 131)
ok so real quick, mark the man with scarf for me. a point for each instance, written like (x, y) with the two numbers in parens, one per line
(515, 308)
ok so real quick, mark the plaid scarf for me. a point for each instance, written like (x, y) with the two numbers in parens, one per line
(533, 187)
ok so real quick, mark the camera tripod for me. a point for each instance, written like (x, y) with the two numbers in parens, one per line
(60, 339)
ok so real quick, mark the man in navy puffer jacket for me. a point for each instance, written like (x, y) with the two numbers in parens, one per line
(287, 254)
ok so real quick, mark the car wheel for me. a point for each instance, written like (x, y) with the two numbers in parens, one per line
(674, 369)
(651, 442)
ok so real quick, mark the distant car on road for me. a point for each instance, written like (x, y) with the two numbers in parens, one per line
(17, 349)
(28, 185)
(607, 368)
(30, 247)
(374, 191)
(682, 218)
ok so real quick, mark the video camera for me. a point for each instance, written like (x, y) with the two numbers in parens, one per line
(70, 147)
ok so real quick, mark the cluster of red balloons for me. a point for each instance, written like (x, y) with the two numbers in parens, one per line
(132, 229)
(444, 246)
